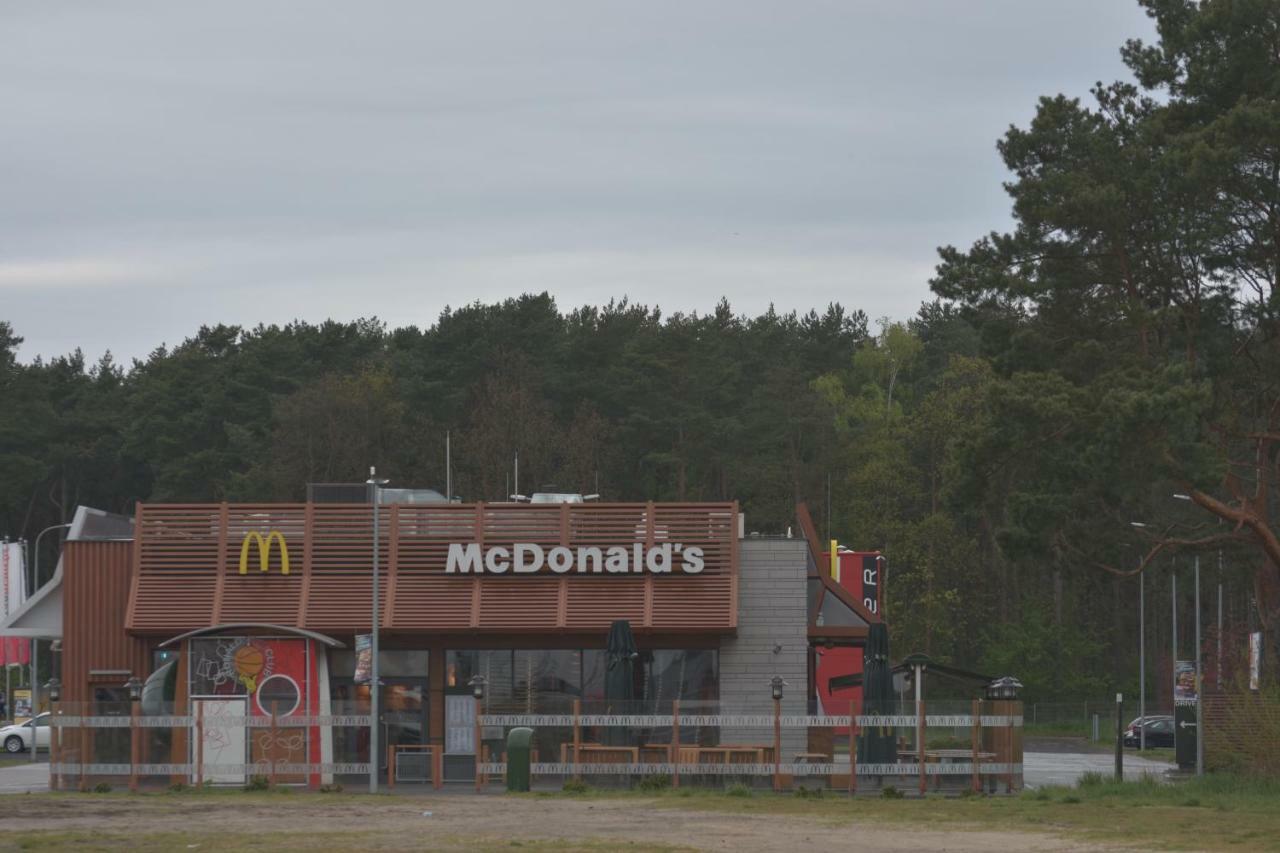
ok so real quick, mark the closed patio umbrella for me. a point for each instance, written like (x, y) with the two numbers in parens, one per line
(876, 743)
(619, 678)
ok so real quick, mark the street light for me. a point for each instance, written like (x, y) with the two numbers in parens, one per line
(375, 485)
(1199, 684)
(477, 683)
(35, 563)
(35, 642)
(1142, 650)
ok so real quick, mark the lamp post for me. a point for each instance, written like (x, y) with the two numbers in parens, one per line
(54, 688)
(1199, 674)
(1142, 651)
(375, 485)
(35, 552)
(35, 643)
(477, 683)
(775, 689)
(134, 686)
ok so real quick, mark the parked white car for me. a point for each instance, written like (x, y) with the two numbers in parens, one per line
(17, 738)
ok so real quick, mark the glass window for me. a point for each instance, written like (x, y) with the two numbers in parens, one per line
(835, 612)
(392, 663)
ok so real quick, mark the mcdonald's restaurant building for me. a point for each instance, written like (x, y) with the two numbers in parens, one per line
(259, 610)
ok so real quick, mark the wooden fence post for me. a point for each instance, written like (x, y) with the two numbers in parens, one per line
(853, 748)
(674, 753)
(975, 742)
(577, 734)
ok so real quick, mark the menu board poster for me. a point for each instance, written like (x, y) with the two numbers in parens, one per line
(1255, 660)
(364, 658)
(460, 725)
(1184, 682)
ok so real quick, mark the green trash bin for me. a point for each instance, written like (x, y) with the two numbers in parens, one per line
(519, 748)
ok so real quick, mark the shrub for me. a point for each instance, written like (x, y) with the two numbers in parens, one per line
(808, 793)
(654, 783)
(738, 790)
(102, 788)
(258, 783)
(179, 788)
(1071, 799)
(1191, 802)
(331, 788)
(1092, 779)
(890, 793)
(574, 786)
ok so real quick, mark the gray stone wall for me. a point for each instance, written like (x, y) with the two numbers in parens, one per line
(772, 612)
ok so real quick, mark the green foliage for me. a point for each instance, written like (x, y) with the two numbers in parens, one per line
(889, 792)
(258, 782)
(1050, 659)
(102, 788)
(738, 789)
(575, 786)
(808, 793)
(654, 783)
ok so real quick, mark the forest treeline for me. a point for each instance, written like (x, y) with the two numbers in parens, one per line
(1093, 394)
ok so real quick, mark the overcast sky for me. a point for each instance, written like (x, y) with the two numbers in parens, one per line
(164, 165)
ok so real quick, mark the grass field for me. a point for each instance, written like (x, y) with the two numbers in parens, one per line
(1218, 813)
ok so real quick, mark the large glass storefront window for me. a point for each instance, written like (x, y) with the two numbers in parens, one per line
(403, 704)
(531, 681)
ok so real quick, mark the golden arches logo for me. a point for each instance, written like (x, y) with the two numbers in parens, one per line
(264, 551)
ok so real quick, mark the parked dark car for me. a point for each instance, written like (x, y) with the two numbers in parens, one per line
(1159, 731)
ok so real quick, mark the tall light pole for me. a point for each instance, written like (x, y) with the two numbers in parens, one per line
(35, 562)
(1199, 674)
(1199, 683)
(1142, 651)
(35, 642)
(375, 485)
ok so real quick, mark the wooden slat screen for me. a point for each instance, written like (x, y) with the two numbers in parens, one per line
(187, 568)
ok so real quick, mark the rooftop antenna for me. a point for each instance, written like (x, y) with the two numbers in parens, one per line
(517, 474)
(448, 470)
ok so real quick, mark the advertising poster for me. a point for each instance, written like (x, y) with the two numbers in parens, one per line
(21, 705)
(364, 658)
(1184, 682)
(1255, 660)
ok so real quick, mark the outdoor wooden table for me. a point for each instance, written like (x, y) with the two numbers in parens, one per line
(592, 753)
(803, 758)
(950, 756)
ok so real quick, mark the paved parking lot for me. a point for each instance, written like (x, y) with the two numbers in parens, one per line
(22, 778)
(1066, 768)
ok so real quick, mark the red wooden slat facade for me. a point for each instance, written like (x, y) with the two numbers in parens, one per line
(186, 568)
(95, 599)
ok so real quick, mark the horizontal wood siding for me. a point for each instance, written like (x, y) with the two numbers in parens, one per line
(328, 587)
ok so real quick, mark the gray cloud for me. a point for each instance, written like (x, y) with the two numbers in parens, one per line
(164, 165)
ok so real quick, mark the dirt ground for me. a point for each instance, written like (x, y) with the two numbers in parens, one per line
(389, 823)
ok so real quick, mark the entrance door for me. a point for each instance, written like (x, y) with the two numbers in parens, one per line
(224, 747)
(404, 715)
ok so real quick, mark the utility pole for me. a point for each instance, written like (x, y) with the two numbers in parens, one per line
(1199, 683)
(375, 485)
